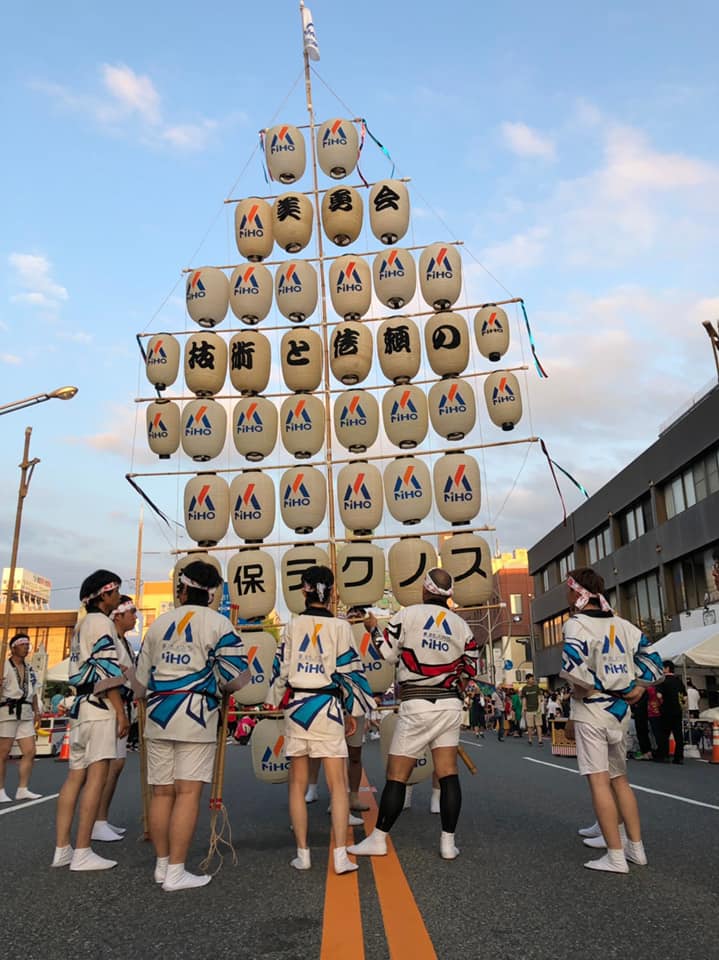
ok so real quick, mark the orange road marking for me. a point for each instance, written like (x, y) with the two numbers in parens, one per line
(342, 936)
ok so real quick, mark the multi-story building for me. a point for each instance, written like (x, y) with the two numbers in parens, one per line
(652, 532)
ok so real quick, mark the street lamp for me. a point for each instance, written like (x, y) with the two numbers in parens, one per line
(62, 393)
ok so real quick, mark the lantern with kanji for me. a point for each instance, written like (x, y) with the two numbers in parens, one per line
(207, 509)
(301, 354)
(162, 360)
(179, 568)
(360, 573)
(452, 408)
(408, 489)
(205, 363)
(302, 425)
(252, 583)
(337, 148)
(409, 559)
(163, 428)
(303, 498)
(351, 351)
(404, 414)
(204, 428)
(296, 290)
(378, 673)
(491, 328)
(356, 419)
(350, 287)
(440, 275)
(457, 487)
(468, 559)
(251, 292)
(446, 337)
(207, 295)
(295, 562)
(359, 496)
(253, 229)
(254, 427)
(252, 505)
(389, 210)
(260, 648)
(250, 361)
(292, 216)
(503, 399)
(399, 348)
(342, 215)
(285, 153)
(395, 277)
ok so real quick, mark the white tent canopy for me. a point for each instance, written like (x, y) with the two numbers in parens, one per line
(60, 672)
(698, 647)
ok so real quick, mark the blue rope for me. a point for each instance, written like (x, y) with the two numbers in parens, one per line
(540, 369)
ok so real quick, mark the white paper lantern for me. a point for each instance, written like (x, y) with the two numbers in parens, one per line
(251, 292)
(452, 408)
(446, 337)
(292, 217)
(359, 496)
(503, 399)
(163, 428)
(342, 215)
(301, 355)
(253, 229)
(285, 153)
(351, 352)
(378, 672)
(207, 509)
(360, 573)
(440, 275)
(407, 489)
(491, 328)
(296, 290)
(356, 419)
(205, 363)
(389, 210)
(250, 361)
(162, 363)
(207, 295)
(395, 277)
(404, 413)
(399, 349)
(267, 745)
(350, 287)
(252, 583)
(302, 425)
(295, 562)
(180, 567)
(337, 148)
(260, 650)
(252, 505)
(204, 429)
(303, 498)
(409, 559)
(457, 487)
(254, 427)
(468, 559)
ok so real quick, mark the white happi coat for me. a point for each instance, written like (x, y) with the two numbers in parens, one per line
(16, 697)
(94, 667)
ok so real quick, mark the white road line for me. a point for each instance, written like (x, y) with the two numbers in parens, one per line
(471, 743)
(634, 786)
(30, 803)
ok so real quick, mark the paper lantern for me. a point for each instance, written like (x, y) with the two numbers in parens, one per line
(408, 489)
(359, 496)
(260, 648)
(446, 337)
(254, 427)
(253, 229)
(205, 364)
(337, 148)
(440, 275)
(267, 745)
(162, 363)
(360, 573)
(395, 277)
(302, 425)
(468, 559)
(207, 509)
(503, 399)
(422, 770)
(252, 583)
(252, 505)
(285, 153)
(292, 216)
(350, 352)
(303, 498)
(491, 328)
(163, 428)
(399, 349)
(296, 290)
(452, 408)
(342, 215)
(301, 353)
(356, 419)
(191, 558)
(457, 487)
(378, 672)
(404, 414)
(350, 287)
(295, 562)
(204, 428)
(207, 295)
(251, 292)
(250, 361)
(389, 210)
(409, 559)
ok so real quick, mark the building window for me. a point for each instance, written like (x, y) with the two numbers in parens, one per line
(635, 521)
(566, 565)
(642, 605)
(691, 579)
(697, 482)
(599, 545)
(515, 604)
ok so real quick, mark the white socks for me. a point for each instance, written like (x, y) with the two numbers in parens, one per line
(312, 794)
(434, 800)
(613, 861)
(597, 843)
(594, 831)
(63, 857)
(342, 862)
(447, 849)
(24, 794)
(103, 832)
(302, 860)
(407, 797)
(177, 878)
(4, 798)
(375, 845)
(87, 859)
(355, 821)
(635, 853)
(161, 865)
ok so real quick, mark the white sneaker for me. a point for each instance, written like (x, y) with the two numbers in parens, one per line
(24, 794)
(87, 859)
(120, 831)
(635, 853)
(342, 862)
(447, 849)
(177, 878)
(62, 857)
(596, 843)
(375, 845)
(355, 821)
(4, 798)
(594, 831)
(312, 793)
(613, 861)
(103, 832)
(434, 801)
(407, 798)
(302, 860)
(161, 865)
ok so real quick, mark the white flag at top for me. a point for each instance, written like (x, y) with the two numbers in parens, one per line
(311, 47)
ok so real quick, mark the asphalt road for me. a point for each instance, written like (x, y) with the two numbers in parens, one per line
(518, 889)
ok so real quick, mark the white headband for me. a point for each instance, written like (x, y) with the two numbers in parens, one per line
(22, 639)
(126, 607)
(197, 586)
(431, 587)
(108, 588)
(584, 596)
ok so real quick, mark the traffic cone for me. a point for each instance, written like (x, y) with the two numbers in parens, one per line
(65, 748)
(672, 745)
(715, 742)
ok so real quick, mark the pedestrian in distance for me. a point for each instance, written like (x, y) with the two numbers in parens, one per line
(670, 711)
(532, 710)
(19, 713)
(499, 708)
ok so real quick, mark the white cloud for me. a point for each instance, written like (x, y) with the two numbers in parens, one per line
(75, 336)
(526, 142)
(10, 359)
(32, 272)
(521, 251)
(132, 92)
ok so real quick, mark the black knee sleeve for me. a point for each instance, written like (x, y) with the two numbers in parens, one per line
(391, 804)
(450, 802)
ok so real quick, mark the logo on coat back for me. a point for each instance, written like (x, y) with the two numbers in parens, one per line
(312, 640)
(352, 414)
(195, 289)
(246, 284)
(157, 353)
(407, 486)
(492, 325)
(251, 225)
(271, 761)
(613, 647)
(403, 410)
(503, 393)
(432, 639)
(298, 418)
(184, 631)
(296, 493)
(198, 424)
(452, 402)
(458, 488)
(357, 496)
(439, 267)
(289, 281)
(250, 421)
(334, 135)
(391, 266)
(349, 280)
(157, 429)
(258, 672)
(201, 506)
(247, 506)
(282, 141)
(368, 652)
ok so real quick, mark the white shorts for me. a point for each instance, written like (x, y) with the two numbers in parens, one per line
(421, 724)
(306, 747)
(17, 729)
(121, 748)
(170, 760)
(92, 740)
(600, 750)
(355, 740)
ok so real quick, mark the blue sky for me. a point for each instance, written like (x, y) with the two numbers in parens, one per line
(573, 149)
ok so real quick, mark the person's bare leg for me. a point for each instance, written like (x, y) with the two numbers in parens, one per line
(336, 776)
(628, 808)
(161, 804)
(108, 792)
(313, 776)
(90, 801)
(183, 818)
(66, 802)
(27, 748)
(605, 808)
(5, 748)
(299, 774)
